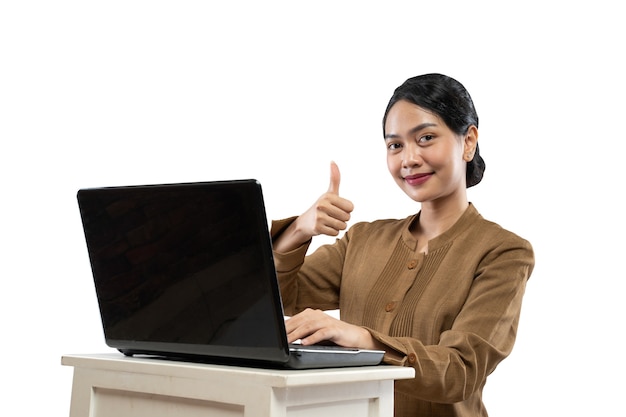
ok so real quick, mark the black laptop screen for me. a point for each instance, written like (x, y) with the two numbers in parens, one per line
(183, 268)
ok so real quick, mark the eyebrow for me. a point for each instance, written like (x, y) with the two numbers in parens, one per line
(412, 131)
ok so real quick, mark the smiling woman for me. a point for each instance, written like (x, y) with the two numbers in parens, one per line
(441, 290)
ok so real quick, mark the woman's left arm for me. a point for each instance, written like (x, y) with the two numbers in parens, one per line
(481, 336)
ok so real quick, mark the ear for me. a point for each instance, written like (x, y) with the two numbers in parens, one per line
(469, 143)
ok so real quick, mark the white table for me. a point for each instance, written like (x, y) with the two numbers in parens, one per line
(117, 386)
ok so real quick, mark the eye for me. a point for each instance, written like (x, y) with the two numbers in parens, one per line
(426, 138)
(393, 146)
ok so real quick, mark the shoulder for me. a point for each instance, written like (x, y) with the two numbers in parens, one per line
(494, 243)
(380, 233)
(382, 226)
(487, 231)
(474, 237)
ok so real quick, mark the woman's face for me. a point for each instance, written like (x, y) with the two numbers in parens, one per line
(426, 158)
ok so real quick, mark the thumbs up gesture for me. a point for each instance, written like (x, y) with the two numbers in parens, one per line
(328, 216)
(330, 213)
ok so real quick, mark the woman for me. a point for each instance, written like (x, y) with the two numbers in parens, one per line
(441, 290)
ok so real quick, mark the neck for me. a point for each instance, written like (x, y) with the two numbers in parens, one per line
(438, 216)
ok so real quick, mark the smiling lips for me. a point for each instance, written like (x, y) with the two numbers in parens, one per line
(418, 179)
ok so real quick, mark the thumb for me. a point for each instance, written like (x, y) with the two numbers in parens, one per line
(335, 177)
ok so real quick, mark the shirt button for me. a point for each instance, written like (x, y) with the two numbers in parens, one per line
(390, 306)
(412, 358)
(412, 264)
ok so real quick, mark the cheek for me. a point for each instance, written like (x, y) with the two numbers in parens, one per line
(392, 163)
(456, 167)
(446, 158)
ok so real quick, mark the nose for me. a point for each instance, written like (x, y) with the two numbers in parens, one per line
(411, 156)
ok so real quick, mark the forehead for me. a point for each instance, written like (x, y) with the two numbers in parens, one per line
(406, 115)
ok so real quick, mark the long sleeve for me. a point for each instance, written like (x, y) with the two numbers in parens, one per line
(316, 287)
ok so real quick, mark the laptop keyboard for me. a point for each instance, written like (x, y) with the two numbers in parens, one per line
(298, 346)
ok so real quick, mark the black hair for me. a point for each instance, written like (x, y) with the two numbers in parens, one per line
(448, 99)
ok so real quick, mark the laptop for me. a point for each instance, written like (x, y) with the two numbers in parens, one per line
(186, 272)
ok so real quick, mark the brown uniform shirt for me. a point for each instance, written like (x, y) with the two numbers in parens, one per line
(451, 314)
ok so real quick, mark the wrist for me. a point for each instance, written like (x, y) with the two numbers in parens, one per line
(369, 342)
(291, 238)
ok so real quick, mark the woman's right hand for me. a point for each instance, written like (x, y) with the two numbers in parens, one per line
(328, 216)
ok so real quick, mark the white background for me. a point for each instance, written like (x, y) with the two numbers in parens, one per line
(136, 92)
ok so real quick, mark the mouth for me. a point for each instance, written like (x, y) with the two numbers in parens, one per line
(418, 179)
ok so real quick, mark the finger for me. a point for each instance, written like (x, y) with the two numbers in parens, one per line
(338, 208)
(297, 328)
(335, 178)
